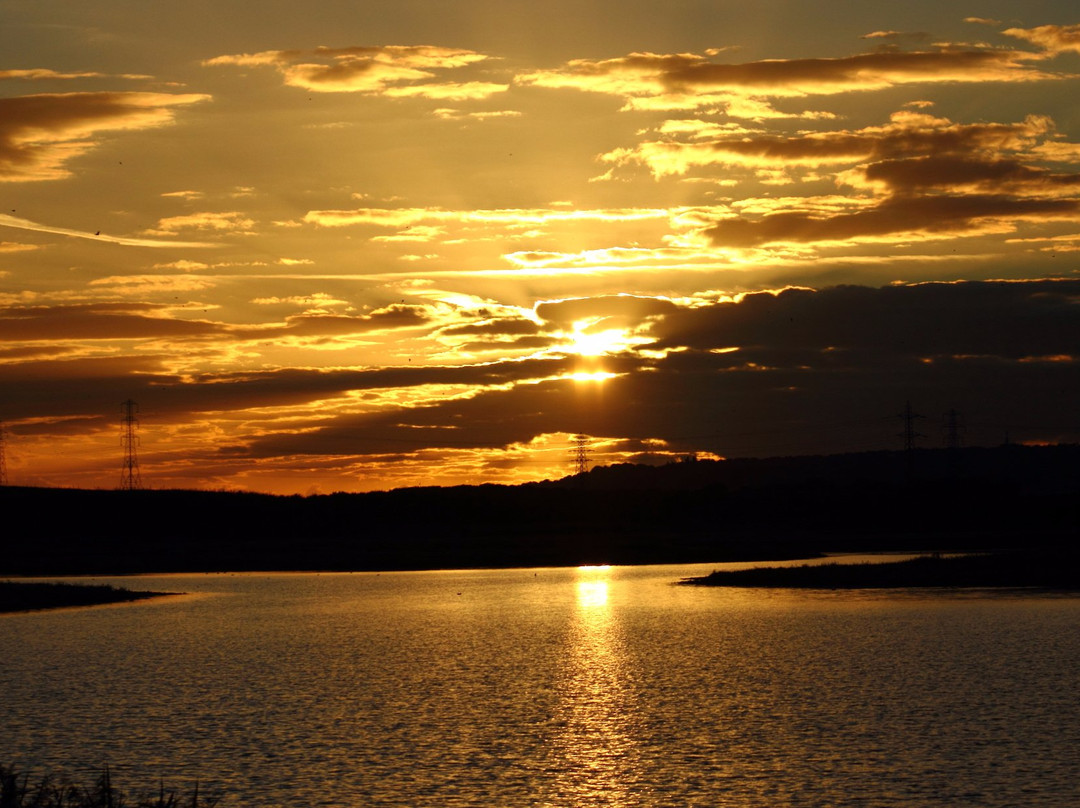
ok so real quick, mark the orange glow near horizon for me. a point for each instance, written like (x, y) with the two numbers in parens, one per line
(378, 262)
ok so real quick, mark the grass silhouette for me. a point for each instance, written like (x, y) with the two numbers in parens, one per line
(16, 791)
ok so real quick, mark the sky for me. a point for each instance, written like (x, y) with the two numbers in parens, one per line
(356, 246)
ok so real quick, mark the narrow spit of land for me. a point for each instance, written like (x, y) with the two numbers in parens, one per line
(25, 596)
(1056, 570)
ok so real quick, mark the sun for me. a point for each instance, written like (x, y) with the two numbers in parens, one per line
(587, 338)
(595, 376)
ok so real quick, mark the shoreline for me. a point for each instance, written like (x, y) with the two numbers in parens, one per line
(26, 596)
(1040, 569)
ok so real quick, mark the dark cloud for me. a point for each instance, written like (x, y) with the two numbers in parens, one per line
(850, 72)
(149, 321)
(527, 343)
(86, 386)
(814, 371)
(614, 309)
(97, 321)
(1011, 320)
(895, 216)
(505, 327)
(392, 317)
(950, 173)
(795, 372)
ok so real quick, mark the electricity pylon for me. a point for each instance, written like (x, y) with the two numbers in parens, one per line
(129, 476)
(3, 457)
(580, 454)
(953, 428)
(909, 434)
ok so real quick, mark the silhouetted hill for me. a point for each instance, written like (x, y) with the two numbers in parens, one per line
(690, 511)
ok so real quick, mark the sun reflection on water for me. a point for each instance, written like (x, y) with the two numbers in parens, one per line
(593, 757)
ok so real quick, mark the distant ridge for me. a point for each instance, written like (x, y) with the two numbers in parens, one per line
(688, 511)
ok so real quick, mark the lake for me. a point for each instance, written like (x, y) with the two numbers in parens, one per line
(551, 687)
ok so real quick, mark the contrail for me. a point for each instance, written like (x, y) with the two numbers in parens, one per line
(26, 224)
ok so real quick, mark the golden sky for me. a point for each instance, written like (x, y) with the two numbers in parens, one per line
(345, 246)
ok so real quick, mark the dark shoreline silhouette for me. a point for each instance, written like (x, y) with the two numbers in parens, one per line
(25, 596)
(703, 511)
(1049, 569)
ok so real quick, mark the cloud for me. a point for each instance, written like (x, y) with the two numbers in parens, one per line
(320, 299)
(45, 74)
(1053, 39)
(791, 372)
(689, 81)
(15, 246)
(616, 311)
(467, 91)
(320, 324)
(219, 222)
(183, 265)
(392, 70)
(892, 219)
(501, 327)
(186, 195)
(615, 258)
(794, 372)
(449, 114)
(97, 321)
(1007, 319)
(407, 217)
(78, 387)
(927, 178)
(963, 174)
(896, 36)
(39, 134)
(146, 321)
(908, 134)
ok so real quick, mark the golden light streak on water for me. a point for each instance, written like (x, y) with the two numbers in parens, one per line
(594, 753)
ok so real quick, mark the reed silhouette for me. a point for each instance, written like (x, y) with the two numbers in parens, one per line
(51, 791)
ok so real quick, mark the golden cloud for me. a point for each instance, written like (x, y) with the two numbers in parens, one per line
(908, 133)
(409, 217)
(222, 222)
(688, 80)
(40, 133)
(1053, 39)
(45, 74)
(389, 69)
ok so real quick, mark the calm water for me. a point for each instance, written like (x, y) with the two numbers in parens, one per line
(552, 687)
